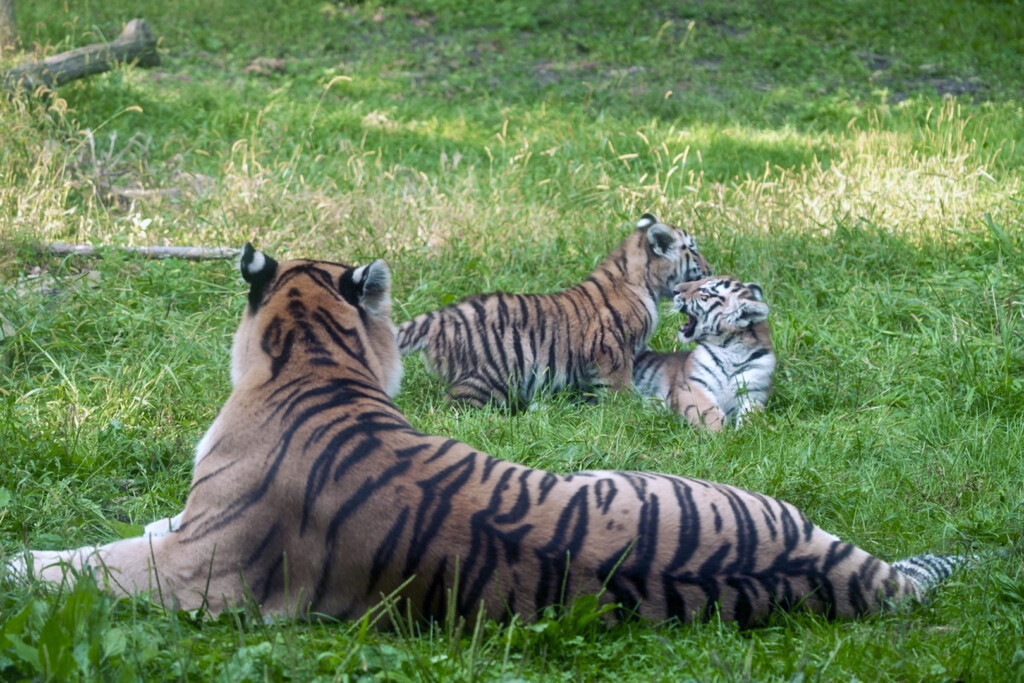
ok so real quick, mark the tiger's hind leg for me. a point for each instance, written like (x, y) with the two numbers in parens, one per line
(477, 390)
(697, 406)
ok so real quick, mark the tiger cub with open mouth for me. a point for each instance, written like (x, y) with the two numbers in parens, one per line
(729, 373)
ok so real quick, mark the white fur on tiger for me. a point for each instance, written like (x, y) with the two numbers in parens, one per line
(312, 494)
(729, 372)
(503, 348)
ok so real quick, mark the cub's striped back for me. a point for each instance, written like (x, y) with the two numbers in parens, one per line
(503, 348)
(729, 373)
(313, 494)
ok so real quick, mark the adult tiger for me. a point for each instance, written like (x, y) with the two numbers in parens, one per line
(502, 348)
(313, 494)
(729, 372)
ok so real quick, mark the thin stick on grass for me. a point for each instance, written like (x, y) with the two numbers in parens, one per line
(191, 253)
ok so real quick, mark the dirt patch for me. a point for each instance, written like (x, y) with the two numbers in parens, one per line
(950, 86)
(875, 61)
(551, 73)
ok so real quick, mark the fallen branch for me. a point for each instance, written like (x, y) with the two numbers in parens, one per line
(193, 253)
(135, 44)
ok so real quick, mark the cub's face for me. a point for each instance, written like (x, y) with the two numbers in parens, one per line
(673, 256)
(315, 316)
(716, 306)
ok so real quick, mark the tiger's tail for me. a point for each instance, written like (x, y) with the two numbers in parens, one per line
(927, 571)
(414, 335)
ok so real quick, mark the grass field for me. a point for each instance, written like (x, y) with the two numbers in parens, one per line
(861, 161)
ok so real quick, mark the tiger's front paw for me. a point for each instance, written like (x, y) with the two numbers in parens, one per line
(43, 565)
(162, 527)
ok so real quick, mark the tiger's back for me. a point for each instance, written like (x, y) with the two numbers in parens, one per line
(313, 494)
(504, 348)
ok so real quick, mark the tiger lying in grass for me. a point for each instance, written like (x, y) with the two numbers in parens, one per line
(729, 373)
(503, 348)
(313, 494)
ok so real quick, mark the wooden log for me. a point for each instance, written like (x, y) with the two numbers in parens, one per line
(193, 253)
(8, 26)
(136, 44)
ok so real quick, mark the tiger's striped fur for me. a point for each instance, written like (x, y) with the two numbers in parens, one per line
(729, 372)
(503, 348)
(313, 494)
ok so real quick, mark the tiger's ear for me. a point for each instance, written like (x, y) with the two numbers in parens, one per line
(755, 290)
(257, 269)
(664, 241)
(748, 312)
(372, 287)
(646, 221)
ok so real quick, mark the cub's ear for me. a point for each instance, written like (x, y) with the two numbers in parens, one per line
(748, 312)
(664, 241)
(370, 287)
(755, 290)
(257, 269)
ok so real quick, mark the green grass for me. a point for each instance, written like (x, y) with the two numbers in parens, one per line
(859, 160)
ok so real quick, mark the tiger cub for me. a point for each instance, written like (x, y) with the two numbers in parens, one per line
(729, 372)
(313, 495)
(502, 348)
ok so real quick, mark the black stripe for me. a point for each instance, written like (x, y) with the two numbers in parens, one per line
(368, 490)
(383, 556)
(554, 579)
(436, 494)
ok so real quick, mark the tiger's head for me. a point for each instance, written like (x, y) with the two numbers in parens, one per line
(672, 256)
(718, 306)
(328, 314)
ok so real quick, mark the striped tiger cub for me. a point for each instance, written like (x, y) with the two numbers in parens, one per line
(729, 372)
(312, 494)
(502, 348)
